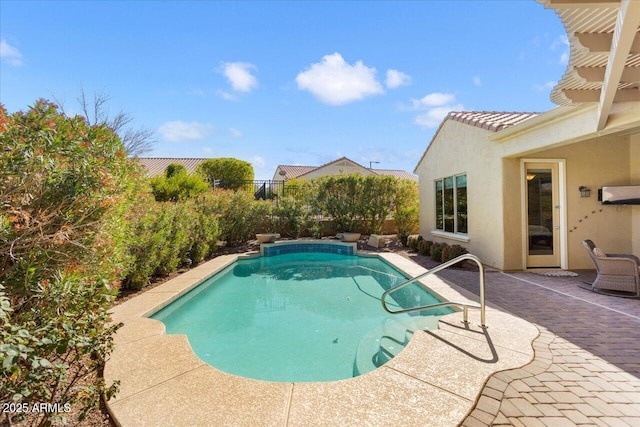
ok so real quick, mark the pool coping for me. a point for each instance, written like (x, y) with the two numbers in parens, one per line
(437, 378)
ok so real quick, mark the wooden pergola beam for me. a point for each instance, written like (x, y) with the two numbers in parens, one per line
(593, 95)
(596, 74)
(601, 42)
(624, 35)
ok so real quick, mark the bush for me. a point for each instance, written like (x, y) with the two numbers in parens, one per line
(412, 242)
(451, 252)
(424, 247)
(206, 233)
(177, 184)
(289, 217)
(407, 207)
(228, 170)
(170, 235)
(64, 190)
(436, 251)
(239, 215)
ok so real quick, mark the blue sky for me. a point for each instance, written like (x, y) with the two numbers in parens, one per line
(284, 82)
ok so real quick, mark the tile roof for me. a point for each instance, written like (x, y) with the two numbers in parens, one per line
(396, 173)
(489, 120)
(156, 165)
(295, 171)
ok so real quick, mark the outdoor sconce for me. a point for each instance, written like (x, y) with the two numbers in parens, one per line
(584, 191)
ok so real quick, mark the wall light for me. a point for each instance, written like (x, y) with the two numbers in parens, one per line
(584, 191)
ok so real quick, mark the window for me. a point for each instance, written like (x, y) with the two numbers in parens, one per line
(451, 204)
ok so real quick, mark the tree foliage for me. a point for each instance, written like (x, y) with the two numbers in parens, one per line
(407, 207)
(356, 202)
(228, 170)
(65, 187)
(176, 184)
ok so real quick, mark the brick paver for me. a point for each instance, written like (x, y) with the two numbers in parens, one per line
(586, 369)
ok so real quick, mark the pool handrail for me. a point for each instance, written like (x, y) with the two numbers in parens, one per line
(434, 270)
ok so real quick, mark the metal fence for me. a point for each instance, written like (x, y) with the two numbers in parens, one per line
(261, 189)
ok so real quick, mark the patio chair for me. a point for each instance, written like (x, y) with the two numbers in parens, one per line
(617, 273)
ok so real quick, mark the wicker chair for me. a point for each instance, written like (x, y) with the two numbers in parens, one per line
(616, 272)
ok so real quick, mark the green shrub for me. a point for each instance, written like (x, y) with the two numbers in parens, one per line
(239, 215)
(339, 197)
(407, 208)
(170, 235)
(436, 251)
(177, 184)
(206, 233)
(451, 252)
(424, 247)
(412, 242)
(228, 170)
(65, 188)
(289, 217)
(376, 200)
(175, 169)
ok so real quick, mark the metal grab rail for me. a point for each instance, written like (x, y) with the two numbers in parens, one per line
(434, 270)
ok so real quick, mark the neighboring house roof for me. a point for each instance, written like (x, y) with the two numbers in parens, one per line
(493, 121)
(604, 64)
(294, 171)
(156, 165)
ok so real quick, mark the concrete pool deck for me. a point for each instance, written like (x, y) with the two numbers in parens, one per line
(437, 379)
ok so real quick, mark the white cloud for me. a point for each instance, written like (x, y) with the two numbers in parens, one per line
(434, 116)
(435, 99)
(562, 42)
(564, 58)
(239, 76)
(228, 96)
(235, 133)
(178, 131)
(335, 82)
(477, 81)
(258, 162)
(434, 108)
(10, 54)
(397, 78)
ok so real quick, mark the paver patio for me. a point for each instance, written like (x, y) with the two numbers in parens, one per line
(586, 369)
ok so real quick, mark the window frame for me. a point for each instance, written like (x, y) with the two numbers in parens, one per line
(440, 228)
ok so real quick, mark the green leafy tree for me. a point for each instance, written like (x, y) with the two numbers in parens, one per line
(376, 201)
(177, 184)
(228, 170)
(65, 187)
(339, 198)
(239, 215)
(407, 208)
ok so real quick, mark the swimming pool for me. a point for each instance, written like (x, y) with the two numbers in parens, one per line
(299, 316)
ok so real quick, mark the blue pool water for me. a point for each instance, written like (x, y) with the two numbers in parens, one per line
(299, 317)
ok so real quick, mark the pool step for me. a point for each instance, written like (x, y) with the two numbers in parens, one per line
(387, 341)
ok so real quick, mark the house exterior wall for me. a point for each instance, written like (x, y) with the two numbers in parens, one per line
(634, 165)
(494, 193)
(344, 167)
(593, 163)
(460, 148)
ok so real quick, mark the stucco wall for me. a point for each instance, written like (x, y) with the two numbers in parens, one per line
(634, 151)
(594, 163)
(461, 148)
(341, 168)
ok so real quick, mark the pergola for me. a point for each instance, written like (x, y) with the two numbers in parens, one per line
(604, 66)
